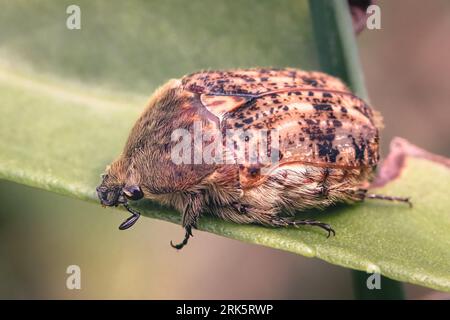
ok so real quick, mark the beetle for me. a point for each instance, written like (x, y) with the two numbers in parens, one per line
(327, 148)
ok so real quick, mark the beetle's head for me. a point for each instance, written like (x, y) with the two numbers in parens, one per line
(110, 196)
(113, 192)
(110, 190)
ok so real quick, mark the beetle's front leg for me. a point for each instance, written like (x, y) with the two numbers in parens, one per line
(131, 220)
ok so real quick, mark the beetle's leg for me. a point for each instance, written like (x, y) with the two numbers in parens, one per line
(323, 186)
(284, 222)
(131, 220)
(190, 217)
(389, 198)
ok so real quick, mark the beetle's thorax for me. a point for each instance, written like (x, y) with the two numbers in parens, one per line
(147, 154)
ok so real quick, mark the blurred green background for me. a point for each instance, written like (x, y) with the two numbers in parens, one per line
(407, 73)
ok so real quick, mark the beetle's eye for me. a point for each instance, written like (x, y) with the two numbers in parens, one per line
(133, 192)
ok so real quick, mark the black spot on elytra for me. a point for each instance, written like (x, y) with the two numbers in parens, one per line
(359, 149)
(326, 150)
(344, 110)
(310, 82)
(323, 107)
(310, 122)
(327, 95)
(196, 88)
(314, 132)
(337, 123)
(248, 120)
(285, 108)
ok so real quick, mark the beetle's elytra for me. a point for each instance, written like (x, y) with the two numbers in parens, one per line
(326, 142)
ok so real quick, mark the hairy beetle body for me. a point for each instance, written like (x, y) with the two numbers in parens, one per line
(327, 146)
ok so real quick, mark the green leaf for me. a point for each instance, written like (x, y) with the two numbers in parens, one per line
(69, 99)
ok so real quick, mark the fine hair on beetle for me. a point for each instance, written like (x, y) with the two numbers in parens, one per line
(251, 146)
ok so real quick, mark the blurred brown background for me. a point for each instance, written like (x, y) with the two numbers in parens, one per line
(407, 69)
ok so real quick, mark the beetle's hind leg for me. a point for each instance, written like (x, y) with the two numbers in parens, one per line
(285, 222)
(361, 194)
(389, 198)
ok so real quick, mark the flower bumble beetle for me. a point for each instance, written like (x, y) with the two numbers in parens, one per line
(326, 148)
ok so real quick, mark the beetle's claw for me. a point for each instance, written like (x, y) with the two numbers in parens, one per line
(329, 229)
(187, 235)
(324, 226)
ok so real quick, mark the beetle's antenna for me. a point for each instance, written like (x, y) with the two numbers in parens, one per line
(131, 220)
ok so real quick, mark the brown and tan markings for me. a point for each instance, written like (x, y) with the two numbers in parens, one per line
(328, 148)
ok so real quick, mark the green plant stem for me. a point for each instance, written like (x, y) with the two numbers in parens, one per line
(338, 55)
